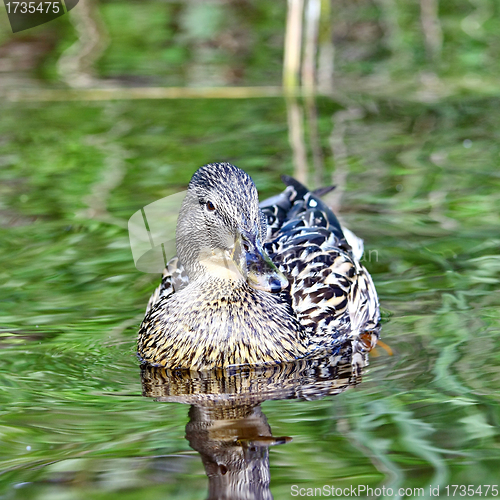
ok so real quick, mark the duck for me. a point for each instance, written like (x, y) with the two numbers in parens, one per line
(257, 283)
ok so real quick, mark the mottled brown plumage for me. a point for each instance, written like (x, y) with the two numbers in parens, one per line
(256, 285)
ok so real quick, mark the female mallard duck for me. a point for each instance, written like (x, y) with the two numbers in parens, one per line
(255, 285)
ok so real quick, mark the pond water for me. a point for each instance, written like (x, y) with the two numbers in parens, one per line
(419, 182)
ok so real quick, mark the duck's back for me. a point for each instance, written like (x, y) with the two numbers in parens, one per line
(329, 290)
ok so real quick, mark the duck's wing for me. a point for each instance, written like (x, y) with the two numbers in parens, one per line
(331, 293)
(297, 202)
(174, 278)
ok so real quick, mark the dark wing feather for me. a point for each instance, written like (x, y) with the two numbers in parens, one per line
(331, 293)
(323, 190)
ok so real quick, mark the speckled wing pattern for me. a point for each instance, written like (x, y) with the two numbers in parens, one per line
(329, 290)
(174, 278)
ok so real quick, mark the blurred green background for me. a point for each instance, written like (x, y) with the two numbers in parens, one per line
(402, 116)
(384, 46)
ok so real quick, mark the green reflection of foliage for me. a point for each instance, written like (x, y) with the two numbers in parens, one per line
(71, 299)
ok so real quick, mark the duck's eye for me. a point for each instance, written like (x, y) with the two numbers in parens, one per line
(210, 206)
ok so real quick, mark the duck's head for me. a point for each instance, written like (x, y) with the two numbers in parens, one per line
(220, 230)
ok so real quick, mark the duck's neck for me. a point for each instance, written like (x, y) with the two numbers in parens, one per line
(217, 269)
(219, 264)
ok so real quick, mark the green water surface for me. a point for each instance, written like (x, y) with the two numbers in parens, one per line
(420, 184)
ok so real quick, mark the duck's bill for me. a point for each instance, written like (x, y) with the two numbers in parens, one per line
(257, 267)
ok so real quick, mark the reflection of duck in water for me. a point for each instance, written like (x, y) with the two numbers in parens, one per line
(234, 447)
(227, 426)
(246, 290)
